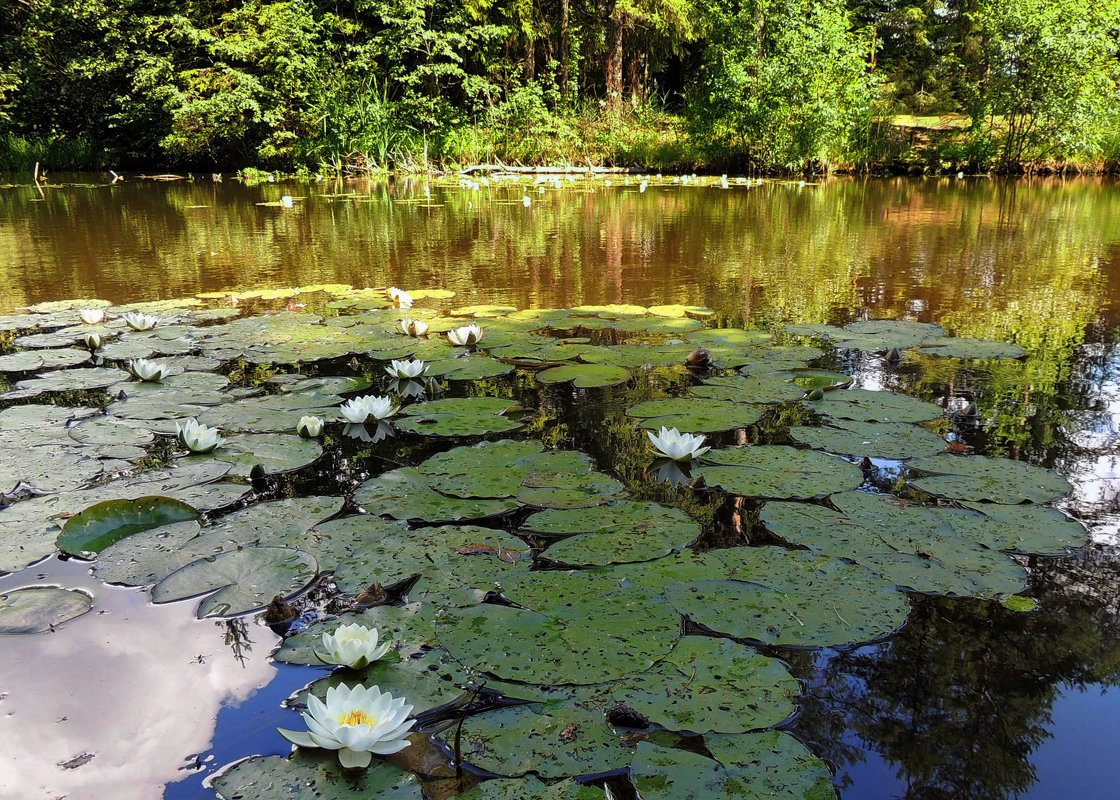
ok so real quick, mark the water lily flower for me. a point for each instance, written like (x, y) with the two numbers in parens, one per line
(353, 646)
(145, 370)
(309, 427)
(197, 438)
(413, 368)
(370, 406)
(672, 444)
(401, 298)
(140, 322)
(92, 316)
(414, 327)
(466, 335)
(92, 341)
(357, 722)
(286, 201)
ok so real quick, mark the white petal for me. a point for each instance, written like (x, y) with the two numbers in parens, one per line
(298, 738)
(352, 759)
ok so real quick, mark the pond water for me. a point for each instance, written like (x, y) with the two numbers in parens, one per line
(969, 698)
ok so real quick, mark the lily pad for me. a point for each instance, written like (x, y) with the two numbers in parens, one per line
(708, 685)
(791, 597)
(585, 376)
(553, 742)
(569, 489)
(466, 416)
(31, 360)
(239, 581)
(996, 480)
(778, 472)
(101, 525)
(274, 452)
(612, 534)
(406, 494)
(694, 415)
(749, 390)
(863, 405)
(147, 557)
(468, 368)
(36, 609)
(952, 347)
(894, 440)
(313, 775)
(568, 628)
(760, 766)
(531, 787)
(456, 565)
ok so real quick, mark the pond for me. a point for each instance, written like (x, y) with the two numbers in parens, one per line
(894, 574)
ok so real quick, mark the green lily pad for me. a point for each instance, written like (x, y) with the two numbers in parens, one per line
(894, 440)
(274, 452)
(313, 775)
(468, 368)
(708, 685)
(694, 415)
(1030, 528)
(36, 609)
(334, 541)
(239, 581)
(74, 379)
(638, 356)
(792, 598)
(457, 565)
(585, 376)
(732, 336)
(103, 524)
(820, 331)
(461, 416)
(276, 523)
(31, 360)
(531, 787)
(925, 549)
(569, 489)
(553, 742)
(681, 311)
(759, 766)
(996, 480)
(612, 534)
(863, 405)
(952, 347)
(570, 628)
(665, 325)
(748, 390)
(147, 557)
(487, 469)
(406, 494)
(778, 472)
(809, 379)
(106, 430)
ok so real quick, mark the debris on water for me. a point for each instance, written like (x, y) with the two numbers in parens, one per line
(76, 761)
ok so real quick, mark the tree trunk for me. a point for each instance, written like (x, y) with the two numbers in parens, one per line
(565, 20)
(531, 60)
(634, 81)
(614, 59)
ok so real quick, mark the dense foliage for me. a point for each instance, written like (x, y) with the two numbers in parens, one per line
(738, 84)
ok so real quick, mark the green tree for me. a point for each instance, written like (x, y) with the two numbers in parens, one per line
(784, 82)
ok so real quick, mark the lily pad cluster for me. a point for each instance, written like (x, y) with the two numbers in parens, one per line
(611, 633)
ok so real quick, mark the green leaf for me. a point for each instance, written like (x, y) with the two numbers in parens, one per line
(36, 609)
(862, 405)
(778, 471)
(466, 416)
(102, 524)
(239, 581)
(894, 440)
(406, 494)
(585, 376)
(996, 480)
(313, 775)
(694, 415)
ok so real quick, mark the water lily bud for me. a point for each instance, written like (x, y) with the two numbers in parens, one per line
(700, 357)
(464, 336)
(816, 394)
(92, 341)
(353, 646)
(309, 427)
(92, 316)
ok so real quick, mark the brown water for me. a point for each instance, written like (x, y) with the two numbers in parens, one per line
(967, 701)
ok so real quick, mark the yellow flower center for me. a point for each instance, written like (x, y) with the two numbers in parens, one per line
(356, 717)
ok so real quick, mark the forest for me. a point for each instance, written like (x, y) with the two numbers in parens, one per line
(749, 86)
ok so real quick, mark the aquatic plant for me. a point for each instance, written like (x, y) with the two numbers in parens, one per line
(370, 406)
(354, 646)
(677, 446)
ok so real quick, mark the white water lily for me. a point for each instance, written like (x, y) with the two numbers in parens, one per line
(357, 722)
(414, 327)
(671, 443)
(466, 335)
(145, 370)
(372, 406)
(196, 437)
(401, 298)
(140, 322)
(413, 368)
(353, 646)
(92, 316)
(92, 341)
(309, 427)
